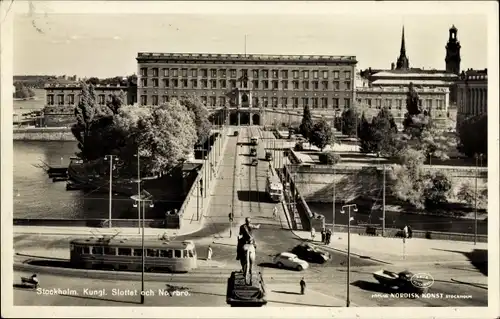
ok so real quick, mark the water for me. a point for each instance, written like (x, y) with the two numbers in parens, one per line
(398, 220)
(36, 196)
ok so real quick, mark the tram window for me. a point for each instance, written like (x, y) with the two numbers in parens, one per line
(109, 251)
(166, 253)
(170, 253)
(191, 254)
(138, 252)
(86, 250)
(71, 247)
(124, 251)
(185, 254)
(152, 253)
(96, 250)
(178, 253)
(78, 249)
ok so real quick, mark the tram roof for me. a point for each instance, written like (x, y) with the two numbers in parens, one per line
(132, 243)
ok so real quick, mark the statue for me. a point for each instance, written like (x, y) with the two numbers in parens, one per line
(246, 249)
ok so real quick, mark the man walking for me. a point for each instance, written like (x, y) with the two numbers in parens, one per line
(323, 235)
(302, 286)
(328, 237)
(313, 234)
(275, 212)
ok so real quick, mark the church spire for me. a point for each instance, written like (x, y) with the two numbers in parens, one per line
(403, 62)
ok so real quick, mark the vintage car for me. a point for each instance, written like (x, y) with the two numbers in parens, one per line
(311, 253)
(239, 294)
(404, 281)
(291, 261)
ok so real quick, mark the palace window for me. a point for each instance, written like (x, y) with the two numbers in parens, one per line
(164, 99)
(204, 100)
(144, 100)
(204, 84)
(233, 73)
(255, 84)
(265, 74)
(284, 74)
(335, 103)
(305, 74)
(71, 99)
(399, 103)
(388, 104)
(274, 102)
(155, 71)
(166, 83)
(144, 71)
(305, 85)
(194, 72)
(194, 84)
(295, 102)
(275, 74)
(213, 73)
(315, 102)
(265, 102)
(265, 85)
(305, 101)
(102, 99)
(335, 74)
(347, 85)
(255, 101)
(222, 73)
(284, 102)
(213, 101)
(325, 74)
(213, 84)
(295, 74)
(275, 85)
(165, 72)
(233, 84)
(295, 85)
(315, 74)
(155, 83)
(324, 102)
(347, 75)
(336, 85)
(174, 71)
(155, 99)
(284, 85)
(379, 103)
(176, 83)
(255, 73)
(325, 85)
(223, 84)
(244, 73)
(222, 100)
(315, 85)
(144, 83)
(204, 73)
(184, 83)
(185, 73)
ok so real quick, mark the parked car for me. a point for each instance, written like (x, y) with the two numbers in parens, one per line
(310, 253)
(289, 260)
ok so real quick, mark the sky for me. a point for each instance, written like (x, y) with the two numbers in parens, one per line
(105, 45)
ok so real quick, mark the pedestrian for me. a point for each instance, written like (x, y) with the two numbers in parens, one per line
(302, 286)
(405, 232)
(410, 232)
(209, 253)
(323, 235)
(313, 234)
(275, 212)
(328, 236)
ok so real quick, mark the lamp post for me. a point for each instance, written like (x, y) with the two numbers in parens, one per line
(334, 199)
(138, 190)
(354, 209)
(110, 157)
(138, 199)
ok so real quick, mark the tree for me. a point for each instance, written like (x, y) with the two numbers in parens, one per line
(473, 135)
(165, 135)
(321, 135)
(85, 113)
(467, 194)
(408, 177)
(329, 158)
(22, 92)
(435, 143)
(200, 115)
(349, 121)
(93, 81)
(383, 132)
(307, 124)
(365, 135)
(437, 189)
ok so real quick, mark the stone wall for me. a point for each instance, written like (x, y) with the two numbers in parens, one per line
(42, 134)
(315, 182)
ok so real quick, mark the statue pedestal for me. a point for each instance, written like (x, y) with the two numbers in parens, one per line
(240, 294)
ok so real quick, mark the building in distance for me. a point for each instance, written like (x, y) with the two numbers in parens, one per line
(249, 85)
(472, 91)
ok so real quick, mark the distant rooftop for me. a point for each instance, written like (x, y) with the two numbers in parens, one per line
(247, 57)
(415, 74)
(407, 82)
(472, 74)
(399, 89)
(78, 85)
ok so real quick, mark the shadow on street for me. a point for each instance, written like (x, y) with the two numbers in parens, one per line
(286, 292)
(253, 196)
(370, 286)
(478, 258)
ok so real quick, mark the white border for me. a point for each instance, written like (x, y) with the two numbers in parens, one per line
(488, 9)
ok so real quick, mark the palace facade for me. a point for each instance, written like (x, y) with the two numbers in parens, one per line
(248, 84)
(472, 94)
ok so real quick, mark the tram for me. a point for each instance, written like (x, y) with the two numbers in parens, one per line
(126, 254)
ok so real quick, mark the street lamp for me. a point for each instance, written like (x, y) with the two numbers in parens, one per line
(354, 209)
(110, 157)
(138, 199)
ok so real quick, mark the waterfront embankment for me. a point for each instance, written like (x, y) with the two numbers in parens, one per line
(43, 134)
